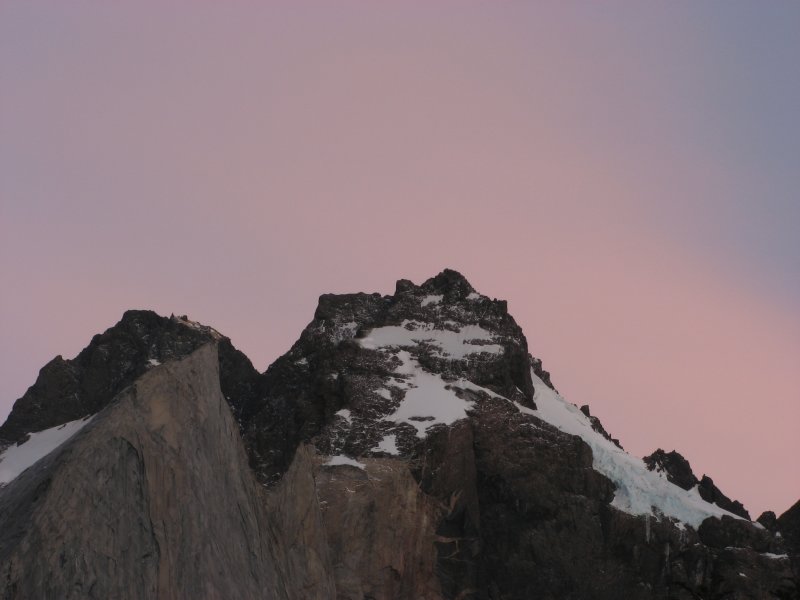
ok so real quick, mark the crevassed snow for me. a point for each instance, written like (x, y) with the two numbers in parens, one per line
(340, 459)
(639, 491)
(453, 344)
(431, 300)
(388, 444)
(19, 457)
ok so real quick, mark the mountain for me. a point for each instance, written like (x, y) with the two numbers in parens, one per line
(406, 446)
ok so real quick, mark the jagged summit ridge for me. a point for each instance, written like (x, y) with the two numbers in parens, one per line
(67, 390)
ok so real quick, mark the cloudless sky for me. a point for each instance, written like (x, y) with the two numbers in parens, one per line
(625, 174)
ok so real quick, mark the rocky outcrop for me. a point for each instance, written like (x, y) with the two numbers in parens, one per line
(676, 467)
(679, 471)
(768, 519)
(711, 493)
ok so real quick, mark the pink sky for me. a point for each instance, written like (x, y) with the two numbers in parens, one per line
(625, 176)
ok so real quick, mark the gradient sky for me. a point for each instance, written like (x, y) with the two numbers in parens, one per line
(626, 174)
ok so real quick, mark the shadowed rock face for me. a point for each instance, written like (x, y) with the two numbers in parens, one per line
(788, 524)
(205, 479)
(677, 468)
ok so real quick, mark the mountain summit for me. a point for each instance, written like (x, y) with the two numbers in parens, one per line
(406, 446)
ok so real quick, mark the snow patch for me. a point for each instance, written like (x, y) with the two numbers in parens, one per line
(639, 491)
(469, 339)
(474, 296)
(429, 400)
(345, 414)
(19, 457)
(388, 444)
(154, 362)
(340, 459)
(431, 300)
(384, 393)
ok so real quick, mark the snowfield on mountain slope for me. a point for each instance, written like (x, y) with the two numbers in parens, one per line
(340, 459)
(639, 491)
(427, 398)
(19, 457)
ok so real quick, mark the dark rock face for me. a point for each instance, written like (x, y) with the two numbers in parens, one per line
(484, 501)
(530, 518)
(598, 426)
(711, 493)
(674, 465)
(789, 526)
(768, 520)
(730, 532)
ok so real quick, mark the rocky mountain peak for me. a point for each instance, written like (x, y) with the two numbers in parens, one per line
(66, 390)
(450, 283)
(406, 445)
(372, 373)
